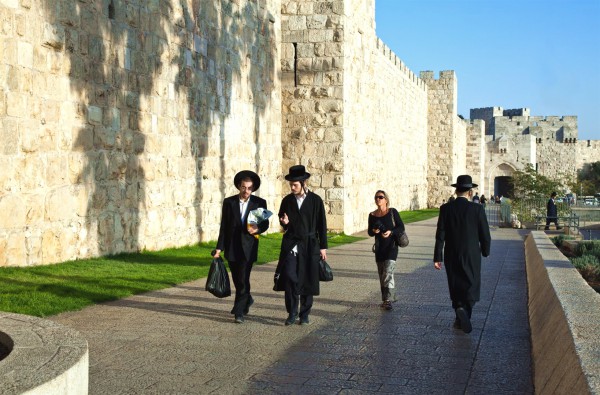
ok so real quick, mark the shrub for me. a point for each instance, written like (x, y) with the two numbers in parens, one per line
(586, 247)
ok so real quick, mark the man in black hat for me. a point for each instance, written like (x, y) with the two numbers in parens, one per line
(464, 236)
(302, 216)
(238, 239)
(552, 212)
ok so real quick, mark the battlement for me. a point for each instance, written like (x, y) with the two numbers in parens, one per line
(517, 112)
(443, 75)
(394, 59)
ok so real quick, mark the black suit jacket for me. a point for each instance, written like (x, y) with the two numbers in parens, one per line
(234, 239)
(464, 236)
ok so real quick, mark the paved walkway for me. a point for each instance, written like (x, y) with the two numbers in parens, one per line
(182, 340)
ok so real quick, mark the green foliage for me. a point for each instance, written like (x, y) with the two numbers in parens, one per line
(530, 184)
(587, 261)
(418, 215)
(587, 247)
(47, 290)
(588, 180)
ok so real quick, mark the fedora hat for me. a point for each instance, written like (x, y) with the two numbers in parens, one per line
(297, 173)
(237, 180)
(464, 182)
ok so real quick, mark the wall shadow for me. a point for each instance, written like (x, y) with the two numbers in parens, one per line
(126, 59)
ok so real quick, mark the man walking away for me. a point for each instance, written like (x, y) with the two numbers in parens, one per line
(463, 235)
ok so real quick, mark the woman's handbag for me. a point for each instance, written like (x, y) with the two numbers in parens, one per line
(401, 240)
(325, 273)
(217, 282)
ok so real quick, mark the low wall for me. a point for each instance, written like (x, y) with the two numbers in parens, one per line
(564, 316)
(45, 357)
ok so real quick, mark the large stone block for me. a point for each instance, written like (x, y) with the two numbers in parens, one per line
(60, 204)
(14, 210)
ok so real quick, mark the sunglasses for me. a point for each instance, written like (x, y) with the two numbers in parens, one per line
(379, 197)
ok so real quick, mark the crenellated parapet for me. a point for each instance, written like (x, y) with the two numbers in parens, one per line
(395, 60)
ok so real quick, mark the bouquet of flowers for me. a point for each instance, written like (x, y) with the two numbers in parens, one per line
(257, 216)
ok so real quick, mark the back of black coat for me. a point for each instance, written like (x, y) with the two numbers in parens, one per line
(464, 236)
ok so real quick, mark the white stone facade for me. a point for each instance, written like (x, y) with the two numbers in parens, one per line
(123, 122)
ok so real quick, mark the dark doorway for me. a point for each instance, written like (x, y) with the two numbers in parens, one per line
(502, 186)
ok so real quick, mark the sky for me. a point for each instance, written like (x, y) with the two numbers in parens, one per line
(538, 54)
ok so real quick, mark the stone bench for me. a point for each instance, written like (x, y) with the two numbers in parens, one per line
(43, 357)
(564, 317)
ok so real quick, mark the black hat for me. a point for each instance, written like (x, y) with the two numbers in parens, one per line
(464, 182)
(297, 173)
(237, 180)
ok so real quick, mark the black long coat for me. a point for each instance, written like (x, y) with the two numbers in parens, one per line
(464, 235)
(307, 228)
(234, 239)
(551, 211)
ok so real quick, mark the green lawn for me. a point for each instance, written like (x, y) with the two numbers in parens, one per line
(46, 290)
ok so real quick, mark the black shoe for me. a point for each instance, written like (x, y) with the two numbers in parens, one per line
(250, 303)
(239, 319)
(304, 321)
(558, 227)
(291, 320)
(547, 228)
(387, 305)
(465, 321)
(456, 324)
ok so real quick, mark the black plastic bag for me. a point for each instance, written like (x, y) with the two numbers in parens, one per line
(217, 282)
(325, 273)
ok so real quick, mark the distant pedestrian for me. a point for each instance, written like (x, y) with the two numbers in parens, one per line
(552, 212)
(302, 216)
(483, 200)
(238, 240)
(462, 237)
(476, 198)
(383, 224)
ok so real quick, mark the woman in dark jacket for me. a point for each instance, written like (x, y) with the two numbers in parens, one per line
(384, 223)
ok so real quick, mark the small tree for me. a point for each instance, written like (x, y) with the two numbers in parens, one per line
(588, 180)
(531, 191)
(530, 184)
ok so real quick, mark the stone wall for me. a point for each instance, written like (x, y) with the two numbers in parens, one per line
(350, 111)
(476, 163)
(312, 94)
(548, 143)
(447, 135)
(123, 122)
(588, 151)
(385, 124)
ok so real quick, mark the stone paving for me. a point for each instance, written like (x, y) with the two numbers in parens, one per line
(182, 340)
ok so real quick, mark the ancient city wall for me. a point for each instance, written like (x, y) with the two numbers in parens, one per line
(312, 94)
(385, 124)
(487, 114)
(476, 151)
(588, 151)
(351, 110)
(447, 135)
(123, 122)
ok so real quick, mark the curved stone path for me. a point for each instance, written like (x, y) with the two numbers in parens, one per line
(182, 340)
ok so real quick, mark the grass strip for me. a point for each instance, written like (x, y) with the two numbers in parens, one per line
(51, 289)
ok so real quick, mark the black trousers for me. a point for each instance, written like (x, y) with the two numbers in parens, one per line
(467, 305)
(550, 220)
(240, 274)
(290, 273)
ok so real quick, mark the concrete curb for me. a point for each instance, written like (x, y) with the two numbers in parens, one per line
(45, 357)
(564, 316)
